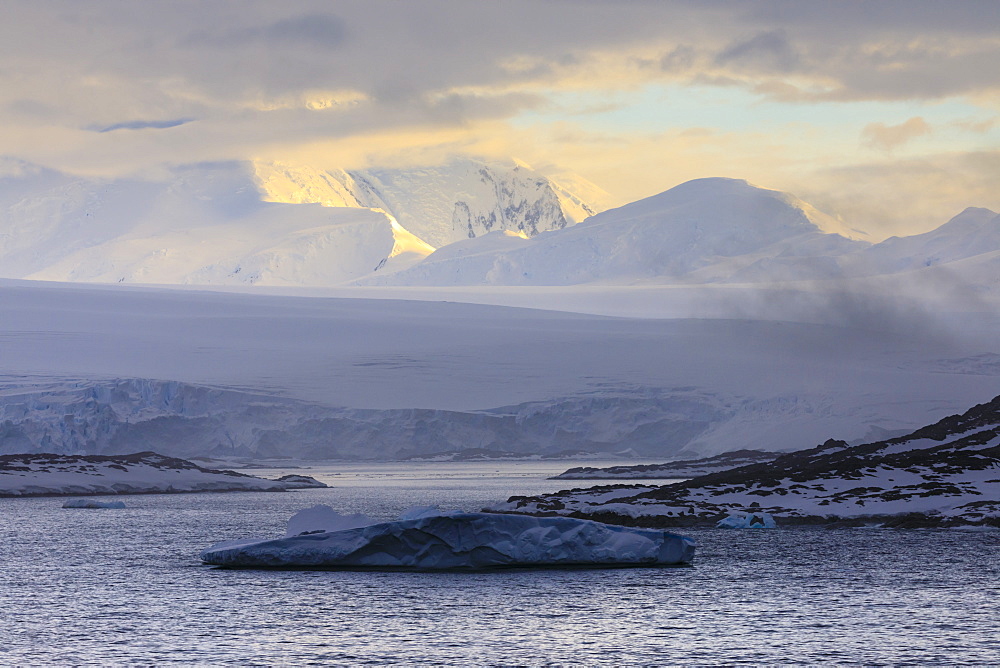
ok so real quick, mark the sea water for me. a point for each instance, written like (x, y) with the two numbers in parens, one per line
(126, 586)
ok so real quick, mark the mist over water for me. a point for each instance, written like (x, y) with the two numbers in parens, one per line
(126, 586)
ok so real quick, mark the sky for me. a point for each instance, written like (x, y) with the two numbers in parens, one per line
(886, 114)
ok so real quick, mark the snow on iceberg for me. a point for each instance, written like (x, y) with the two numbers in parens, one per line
(459, 541)
(741, 520)
(323, 519)
(91, 503)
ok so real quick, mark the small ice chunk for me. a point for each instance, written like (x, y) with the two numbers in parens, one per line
(418, 512)
(92, 503)
(321, 519)
(741, 520)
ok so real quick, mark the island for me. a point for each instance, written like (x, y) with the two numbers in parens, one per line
(139, 473)
(944, 474)
(686, 468)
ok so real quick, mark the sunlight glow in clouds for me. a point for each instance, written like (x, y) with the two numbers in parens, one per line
(887, 112)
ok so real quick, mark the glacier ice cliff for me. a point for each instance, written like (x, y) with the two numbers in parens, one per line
(188, 420)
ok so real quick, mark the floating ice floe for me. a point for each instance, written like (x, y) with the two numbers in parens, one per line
(428, 539)
(740, 520)
(91, 503)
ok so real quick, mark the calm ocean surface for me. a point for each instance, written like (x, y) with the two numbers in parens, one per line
(126, 587)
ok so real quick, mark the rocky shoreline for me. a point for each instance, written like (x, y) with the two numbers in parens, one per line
(945, 474)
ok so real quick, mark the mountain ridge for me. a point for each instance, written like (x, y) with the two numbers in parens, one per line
(464, 222)
(712, 230)
(237, 223)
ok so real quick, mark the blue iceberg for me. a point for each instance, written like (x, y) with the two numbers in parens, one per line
(460, 541)
(741, 520)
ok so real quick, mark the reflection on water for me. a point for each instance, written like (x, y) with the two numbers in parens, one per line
(115, 586)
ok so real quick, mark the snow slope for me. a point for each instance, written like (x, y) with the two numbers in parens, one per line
(950, 469)
(118, 369)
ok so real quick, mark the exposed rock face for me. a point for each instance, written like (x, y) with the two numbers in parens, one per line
(463, 198)
(949, 470)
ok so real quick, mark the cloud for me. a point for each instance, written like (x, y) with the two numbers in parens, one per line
(903, 196)
(770, 50)
(680, 59)
(315, 30)
(217, 53)
(325, 80)
(888, 137)
(978, 126)
(142, 125)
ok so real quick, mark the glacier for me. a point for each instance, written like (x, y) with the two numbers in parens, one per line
(460, 541)
(197, 373)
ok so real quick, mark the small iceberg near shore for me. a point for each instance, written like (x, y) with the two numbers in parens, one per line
(741, 520)
(429, 539)
(91, 503)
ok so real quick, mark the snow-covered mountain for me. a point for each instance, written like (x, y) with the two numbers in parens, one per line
(463, 223)
(460, 199)
(973, 232)
(205, 224)
(949, 472)
(260, 223)
(703, 230)
(712, 231)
